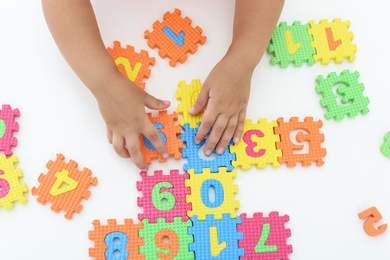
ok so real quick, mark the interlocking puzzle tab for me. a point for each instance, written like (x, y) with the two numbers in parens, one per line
(175, 37)
(385, 147)
(291, 44)
(188, 94)
(372, 215)
(216, 238)
(257, 145)
(7, 127)
(64, 186)
(169, 132)
(195, 161)
(11, 190)
(163, 196)
(348, 89)
(224, 189)
(265, 237)
(164, 240)
(132, 65)
(292, 152)
(332, 41)
(116, 241)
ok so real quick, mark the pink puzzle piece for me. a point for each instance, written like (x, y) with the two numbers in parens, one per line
(7, 127)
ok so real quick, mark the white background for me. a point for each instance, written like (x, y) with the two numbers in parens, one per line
(58, 114)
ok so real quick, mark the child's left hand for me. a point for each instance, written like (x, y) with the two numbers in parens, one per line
(225, 95)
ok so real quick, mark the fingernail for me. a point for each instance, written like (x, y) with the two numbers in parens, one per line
(164, 155)
(220, 151)
(167, 102)
(197, 141)
(208, 152)
(236, 140)
(144, 170)
(192, 110)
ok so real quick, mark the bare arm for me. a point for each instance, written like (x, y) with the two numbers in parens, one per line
(226, 90)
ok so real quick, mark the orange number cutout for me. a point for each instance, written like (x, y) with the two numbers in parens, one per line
(167, 239)
(373, 216)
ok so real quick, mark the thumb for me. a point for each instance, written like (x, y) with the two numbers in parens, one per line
(200, 103)
(155, 103)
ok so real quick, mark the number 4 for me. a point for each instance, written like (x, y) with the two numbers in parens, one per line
(373, 216)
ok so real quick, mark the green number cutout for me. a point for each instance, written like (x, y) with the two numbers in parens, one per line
(261, 247)
(163, 200)
(2, 128)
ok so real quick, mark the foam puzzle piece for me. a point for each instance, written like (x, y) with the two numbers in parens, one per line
(163, 196)
(175, 37)
(116, 241)
(176, 234)
(332, 41)
(7, 127)
(11, 190)
(68, 201)
(257, 145)
(291, 152)
(348, 88)
(191, 150)
(188, 94)
(224, 190)
(291, 44)
(265, 237)
(169, 132)
(385, 147)
(132, 65)
(372, 215)
(216, 238)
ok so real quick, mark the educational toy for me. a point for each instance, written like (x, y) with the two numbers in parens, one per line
(216, 238)
(64, 186)
(265, 237)
(169, 131)
(7, 127)
(132, 65)
(188, 95)
(372, 215)
(349, 98)
(11, 190)
(163, 196)
(166, 240)
(116, 241)
(291, 44)
(292, 152)
(175, 37)
(332, 41)
(195, 161)
(224, 189)
(257, 145)
(385, 147)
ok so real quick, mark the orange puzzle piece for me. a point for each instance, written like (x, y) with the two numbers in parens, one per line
(64, 186)
(132, 65)
(293, 153)
(175, 36)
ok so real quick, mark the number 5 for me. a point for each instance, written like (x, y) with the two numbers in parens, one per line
(373, 216)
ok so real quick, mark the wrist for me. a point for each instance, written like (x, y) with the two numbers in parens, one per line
(246, 54)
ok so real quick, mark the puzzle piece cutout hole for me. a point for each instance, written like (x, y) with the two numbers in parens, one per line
(201, 154)
(338, 90)
(302, 146)
(212, 194)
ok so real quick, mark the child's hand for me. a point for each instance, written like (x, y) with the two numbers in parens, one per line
(225, 93)
(122, 106)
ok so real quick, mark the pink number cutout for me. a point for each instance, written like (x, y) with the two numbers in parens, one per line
(250, 149)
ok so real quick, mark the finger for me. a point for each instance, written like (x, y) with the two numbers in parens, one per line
(227, 135)
(109, 135)
(240, 127)
(201, 102)
(133, 147)
(216, 132)
(154, 137)
(157, 104)
(209, 118)
(118, 142)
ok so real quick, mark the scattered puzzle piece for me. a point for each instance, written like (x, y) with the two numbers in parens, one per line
(175, 37)
(188, 94)
(7, 127)
(265, 237)
(291, 44)
(373, 215)
(190, 151)
(332, 41)
(224, 190)
(68, 201)
(257, 145)
(291, 152)
(115, 241)
(350, 91)
(215, 238)
(166, 240)
(11, 190)
(168, 131)
(385, 147)
(163, 196)
(132, 65)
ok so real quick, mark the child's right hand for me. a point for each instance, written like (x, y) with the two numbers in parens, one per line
(122, 105)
